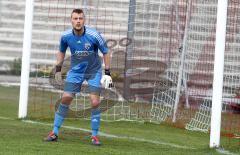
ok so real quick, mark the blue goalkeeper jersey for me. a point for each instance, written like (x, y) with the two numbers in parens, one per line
(84, 52)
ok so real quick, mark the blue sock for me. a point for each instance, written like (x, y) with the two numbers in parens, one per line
(60, 114)
(95, 121)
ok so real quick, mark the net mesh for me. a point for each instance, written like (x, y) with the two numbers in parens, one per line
(51, 18)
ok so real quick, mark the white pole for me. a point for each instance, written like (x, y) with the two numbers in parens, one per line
(26, 54)
(218, 73)
(181, 68)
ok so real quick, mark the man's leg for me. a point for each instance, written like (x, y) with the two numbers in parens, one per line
(94, 87)
(62, 111)
(60, 115)
(95, 114)
(95, 117)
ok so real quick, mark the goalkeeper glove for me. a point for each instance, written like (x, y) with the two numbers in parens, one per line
(58, 75)
(106, 80)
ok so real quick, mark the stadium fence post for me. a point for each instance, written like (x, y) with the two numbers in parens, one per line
(129, 50)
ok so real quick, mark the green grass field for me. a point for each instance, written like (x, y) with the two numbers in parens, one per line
(119, 137)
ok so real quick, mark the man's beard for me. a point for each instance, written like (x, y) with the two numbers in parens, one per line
(78, 30)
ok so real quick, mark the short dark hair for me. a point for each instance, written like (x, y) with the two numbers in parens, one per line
(78, 11)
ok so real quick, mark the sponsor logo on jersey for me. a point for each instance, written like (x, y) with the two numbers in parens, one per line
(87, 46)
(81, 53)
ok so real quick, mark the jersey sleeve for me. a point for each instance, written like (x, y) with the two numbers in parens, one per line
(63, 45)
(102, 45)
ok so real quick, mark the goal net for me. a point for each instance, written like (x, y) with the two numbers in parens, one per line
(187, 101)
(51, 18)
(139, 54)
(162, 61)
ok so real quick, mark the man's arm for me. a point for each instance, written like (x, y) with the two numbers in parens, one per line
(106, 59)
(60, 58)
(106, 79)
(58, 68)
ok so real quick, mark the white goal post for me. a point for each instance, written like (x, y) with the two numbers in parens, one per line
(218, 73)
(26, 54)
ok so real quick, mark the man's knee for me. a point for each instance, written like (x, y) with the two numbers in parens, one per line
(67, 98)
(95, 103)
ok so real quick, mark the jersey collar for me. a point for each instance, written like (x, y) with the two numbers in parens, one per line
(83, 31)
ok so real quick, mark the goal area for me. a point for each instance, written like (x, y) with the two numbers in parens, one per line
(162, 61)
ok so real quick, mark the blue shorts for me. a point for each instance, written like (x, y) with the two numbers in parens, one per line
(73, 82)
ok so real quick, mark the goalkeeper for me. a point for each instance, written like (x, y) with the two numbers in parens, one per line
(84, 43)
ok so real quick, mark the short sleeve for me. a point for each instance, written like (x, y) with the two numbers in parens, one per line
(63, 45)
(102, 45)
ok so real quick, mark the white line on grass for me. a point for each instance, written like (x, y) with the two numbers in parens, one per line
(221, 151)
(6, 118)
(114, 136)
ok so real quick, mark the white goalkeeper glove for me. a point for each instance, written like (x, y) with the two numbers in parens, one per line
(58, 75)
(106, 80)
